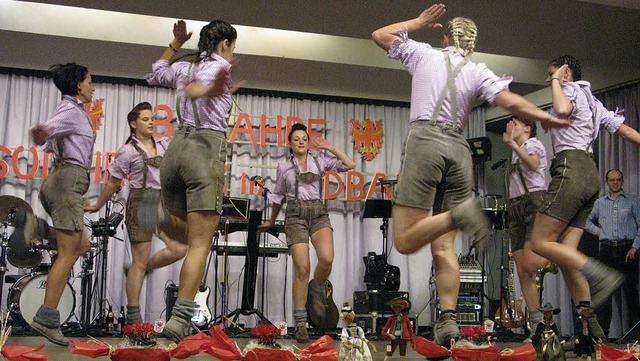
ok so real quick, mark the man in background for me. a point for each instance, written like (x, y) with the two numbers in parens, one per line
(615, 220)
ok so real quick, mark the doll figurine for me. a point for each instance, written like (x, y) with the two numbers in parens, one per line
(398, 330)
(547, 331)
(585, 344)
(353, 345)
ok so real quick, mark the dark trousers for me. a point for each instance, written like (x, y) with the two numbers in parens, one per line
(614, 257)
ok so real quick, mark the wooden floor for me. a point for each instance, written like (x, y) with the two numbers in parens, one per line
(62, 353)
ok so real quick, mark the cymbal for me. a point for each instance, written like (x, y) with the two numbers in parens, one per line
(8, 203)
(28, 259)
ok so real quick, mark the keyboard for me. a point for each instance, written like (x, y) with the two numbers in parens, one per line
(239, 248)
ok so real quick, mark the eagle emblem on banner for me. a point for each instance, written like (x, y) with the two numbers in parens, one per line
(96, 112)
(367, 137)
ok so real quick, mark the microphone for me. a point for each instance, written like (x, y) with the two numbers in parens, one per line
(499, 163)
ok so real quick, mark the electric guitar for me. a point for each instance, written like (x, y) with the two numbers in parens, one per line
(202, 314)
(510, 314)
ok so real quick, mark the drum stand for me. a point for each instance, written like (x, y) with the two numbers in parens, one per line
(3, 259)
(101, 229)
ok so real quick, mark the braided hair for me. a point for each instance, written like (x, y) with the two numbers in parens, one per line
(571, 62)
(133, 116)
(463, 32)
(210, 36)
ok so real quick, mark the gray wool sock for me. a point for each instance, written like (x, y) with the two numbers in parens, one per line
(591, 269)
(184, 308)
(133, 314)
(48, 316)
(300, 315)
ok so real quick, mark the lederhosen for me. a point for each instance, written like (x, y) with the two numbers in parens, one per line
(415, 195)
(574, 178)
(192, 174)
(142, 197)
(305, 211)
(522, 209)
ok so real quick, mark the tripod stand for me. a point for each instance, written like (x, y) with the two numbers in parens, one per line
(250, 274)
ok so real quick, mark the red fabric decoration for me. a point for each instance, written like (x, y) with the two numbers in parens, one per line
(320, 350)
(90, 349)
(429, 349)
(269, 354)
(613, 354)
(221, 346)
(476, 354)
(474, 333)
(140, 354)
(521, 353)
(23, 353)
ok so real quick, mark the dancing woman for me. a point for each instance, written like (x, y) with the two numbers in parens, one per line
(299, 183)
(436, 172)
(139, 161)
(574, 188)
(69, 135)
(192, 170)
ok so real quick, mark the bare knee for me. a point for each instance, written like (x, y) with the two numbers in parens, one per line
(302, 272)
(179, 249)
(403, 244)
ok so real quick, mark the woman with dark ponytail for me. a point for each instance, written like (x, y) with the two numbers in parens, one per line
(299, 183)
(68, 134)
(192, 171)
(574, 188)
(139, 159)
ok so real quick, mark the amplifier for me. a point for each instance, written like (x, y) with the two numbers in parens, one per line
(375, 301)
(469, 308)
(370, 324)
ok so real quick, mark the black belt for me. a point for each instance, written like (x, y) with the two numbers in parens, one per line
(616, 243)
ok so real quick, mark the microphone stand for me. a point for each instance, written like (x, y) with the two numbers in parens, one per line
(263, 237)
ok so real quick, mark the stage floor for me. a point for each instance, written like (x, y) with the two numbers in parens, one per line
(62, 353)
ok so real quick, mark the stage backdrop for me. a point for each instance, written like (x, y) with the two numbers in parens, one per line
(257, 143)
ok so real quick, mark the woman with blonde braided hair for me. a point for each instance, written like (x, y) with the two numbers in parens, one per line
(437, 174)
(462, 33)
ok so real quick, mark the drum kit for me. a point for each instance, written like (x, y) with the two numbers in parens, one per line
(27, 292)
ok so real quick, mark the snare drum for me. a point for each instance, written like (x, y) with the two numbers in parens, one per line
(27, 294)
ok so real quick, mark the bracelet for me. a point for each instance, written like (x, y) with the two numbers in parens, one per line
(558, 79)
(176, 50)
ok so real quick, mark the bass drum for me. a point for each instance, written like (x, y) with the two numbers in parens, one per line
(27, 294)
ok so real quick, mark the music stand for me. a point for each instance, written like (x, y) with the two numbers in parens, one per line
(380, 208)
(480, 149)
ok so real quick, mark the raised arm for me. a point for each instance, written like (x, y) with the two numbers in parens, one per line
(428, 19)
(532, 161)
(629, 134)
(519, 106)
(561, 104)
(180, 36)
(325, 144)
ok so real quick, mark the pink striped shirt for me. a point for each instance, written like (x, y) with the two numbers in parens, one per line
(129, 162)
(534, 178)
(582, 130)
(213, 112)
(286, 178)
(70, 131)
(429, 76)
